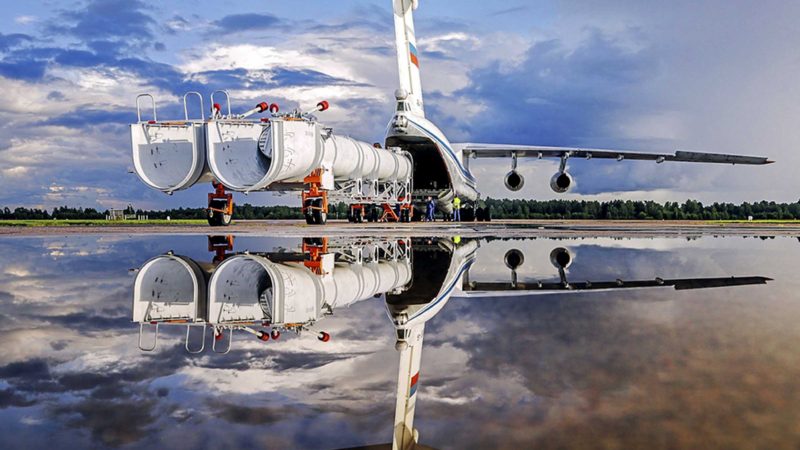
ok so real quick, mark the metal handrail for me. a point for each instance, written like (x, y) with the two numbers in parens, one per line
(230, 341)
(203, 342)
(155, 339)
(139, 110)
(186, 109)
(227, 99)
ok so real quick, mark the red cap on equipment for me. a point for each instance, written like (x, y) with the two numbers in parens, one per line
(323, 105)
(273, 108)
(217, 107)
(263, 106)
(324, 337)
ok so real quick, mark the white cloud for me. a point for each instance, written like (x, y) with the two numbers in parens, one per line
(26, 20)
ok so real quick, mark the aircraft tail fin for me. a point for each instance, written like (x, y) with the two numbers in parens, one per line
(405, 437)
(407, 54)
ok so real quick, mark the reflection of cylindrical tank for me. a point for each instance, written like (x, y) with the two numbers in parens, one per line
(248, 156)
(251, 288)
(169, 156)
(170, 288)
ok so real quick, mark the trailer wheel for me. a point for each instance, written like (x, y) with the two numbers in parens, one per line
(315, 215)
(309, 213)
(216, 218)
(320, 217)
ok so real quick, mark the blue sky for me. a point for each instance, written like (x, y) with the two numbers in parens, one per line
(717, 76)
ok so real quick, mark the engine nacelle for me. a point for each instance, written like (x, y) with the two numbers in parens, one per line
(561, 182)
(513, 259)
(560, 258)
(514, 181)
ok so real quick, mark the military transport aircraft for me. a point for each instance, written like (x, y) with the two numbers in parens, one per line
(293, 152)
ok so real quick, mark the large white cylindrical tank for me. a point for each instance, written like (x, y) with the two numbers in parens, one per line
(169, 156)
(169, 288)
(351, 159)
(352, 283)
(251, 289)
(249, 156)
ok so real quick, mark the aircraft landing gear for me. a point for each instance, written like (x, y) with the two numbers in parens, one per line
(483, 214)
(220, 207)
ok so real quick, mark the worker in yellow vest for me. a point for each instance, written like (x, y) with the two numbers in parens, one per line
(456, 209)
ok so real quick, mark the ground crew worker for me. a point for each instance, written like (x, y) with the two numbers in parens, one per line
(456, 209)
(431, 210)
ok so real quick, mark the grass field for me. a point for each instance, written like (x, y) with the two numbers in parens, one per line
(96, 223)
(754, 222)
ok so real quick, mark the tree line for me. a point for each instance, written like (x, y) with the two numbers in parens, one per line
(640, 210)
(501, 209)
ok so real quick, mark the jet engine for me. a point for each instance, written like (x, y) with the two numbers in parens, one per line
(514, 181)
(561, 182)
(560, 258)
(513, 259)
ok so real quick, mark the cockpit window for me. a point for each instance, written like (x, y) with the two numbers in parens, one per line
(402, 106)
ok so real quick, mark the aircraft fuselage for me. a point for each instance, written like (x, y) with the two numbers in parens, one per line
(439, 170)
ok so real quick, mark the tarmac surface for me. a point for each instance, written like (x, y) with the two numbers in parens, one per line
(498, 228)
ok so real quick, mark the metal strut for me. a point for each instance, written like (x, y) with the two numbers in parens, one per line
(563, 166)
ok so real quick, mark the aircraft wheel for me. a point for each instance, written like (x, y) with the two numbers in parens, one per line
(467, 214)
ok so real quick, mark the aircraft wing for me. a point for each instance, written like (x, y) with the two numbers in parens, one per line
(530, 151)
(679, 284)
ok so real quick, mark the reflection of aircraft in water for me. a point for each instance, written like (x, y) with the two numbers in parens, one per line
(266, 293)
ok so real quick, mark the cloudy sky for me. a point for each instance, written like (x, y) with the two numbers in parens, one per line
(709, 76)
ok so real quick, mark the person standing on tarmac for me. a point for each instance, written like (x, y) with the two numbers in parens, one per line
(431, 210)
(456, 209)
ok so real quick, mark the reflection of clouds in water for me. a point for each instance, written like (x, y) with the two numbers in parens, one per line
(497, 373)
